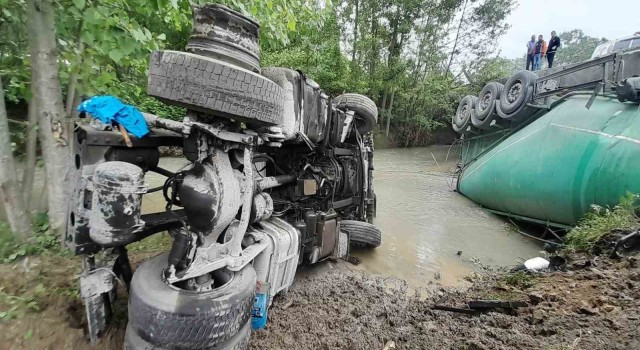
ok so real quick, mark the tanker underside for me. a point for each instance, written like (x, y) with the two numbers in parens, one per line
(572, 140)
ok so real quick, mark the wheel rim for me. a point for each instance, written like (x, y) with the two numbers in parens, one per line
(514, 92)
(485, 101)
(221, 33)
(461, 115)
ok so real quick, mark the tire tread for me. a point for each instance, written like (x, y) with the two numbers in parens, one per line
(212, 86)
(362, 233)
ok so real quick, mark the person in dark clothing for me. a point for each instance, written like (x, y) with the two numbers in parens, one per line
(530, 46)
(554, 44)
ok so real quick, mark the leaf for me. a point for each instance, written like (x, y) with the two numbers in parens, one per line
(80, 4)
(291, 25)
(28, 334)
(33, 305)
(174, 4)
(116, 55)
(40, 288)
(162, 37)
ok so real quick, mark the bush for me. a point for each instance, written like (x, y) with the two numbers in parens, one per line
(600, 221)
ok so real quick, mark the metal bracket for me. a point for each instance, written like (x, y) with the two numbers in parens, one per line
(217, 256)
(224, 135)
(230, 253)
(596, 91)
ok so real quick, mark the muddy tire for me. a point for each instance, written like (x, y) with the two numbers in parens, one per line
(365, 110)
(362, 234)
(485, 110)
(221, 33)
(462, 118)
(214, 87)
(175, 318)
(240, 341)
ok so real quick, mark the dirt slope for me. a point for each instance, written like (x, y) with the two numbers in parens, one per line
(332, 307)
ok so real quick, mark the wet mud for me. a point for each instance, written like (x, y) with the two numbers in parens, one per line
(591, 308)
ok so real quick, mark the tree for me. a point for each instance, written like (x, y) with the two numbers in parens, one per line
(576, 47)
(47, 94)
(10, 192)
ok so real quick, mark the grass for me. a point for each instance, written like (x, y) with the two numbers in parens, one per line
(43, 240)
(520, 279)
(600, 222)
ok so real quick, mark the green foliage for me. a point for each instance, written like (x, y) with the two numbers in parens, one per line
(520, 279)
(42, 241)
(318, 55)
(600, 221)
(17, 306)
(104, 45)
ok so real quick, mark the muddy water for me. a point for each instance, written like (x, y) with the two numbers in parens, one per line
(424, 222)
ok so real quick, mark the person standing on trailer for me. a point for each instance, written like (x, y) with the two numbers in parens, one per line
(539, 51)
(531, 44)
(554, 44)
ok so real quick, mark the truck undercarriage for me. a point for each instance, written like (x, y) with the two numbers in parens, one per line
(279, 174)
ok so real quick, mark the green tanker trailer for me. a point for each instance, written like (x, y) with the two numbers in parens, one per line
(545, 146)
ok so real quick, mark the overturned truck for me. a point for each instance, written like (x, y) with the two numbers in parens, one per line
(279, 174)
(547, 145)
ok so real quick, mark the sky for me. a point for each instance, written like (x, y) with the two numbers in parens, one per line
(597, 18)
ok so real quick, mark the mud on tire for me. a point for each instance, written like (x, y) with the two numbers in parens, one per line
(211, 86)
(175, 318)
(362, 234)
(240, 341)
(365, 110)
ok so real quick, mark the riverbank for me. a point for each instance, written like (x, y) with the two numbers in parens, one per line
(595, 304)
(584, 308)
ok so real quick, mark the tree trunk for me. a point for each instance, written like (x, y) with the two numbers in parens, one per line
(10, 192)
(455, 43)
(47, 93)
(30, 161)
(355, 32)
(393, 93)
(383, 107)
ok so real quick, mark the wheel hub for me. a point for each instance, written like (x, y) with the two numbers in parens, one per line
(514, 92)
(484, 102)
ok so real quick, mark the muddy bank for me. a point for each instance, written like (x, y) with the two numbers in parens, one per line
(594, 305)
(588, 308)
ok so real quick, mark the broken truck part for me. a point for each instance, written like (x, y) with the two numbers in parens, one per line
(275, 168)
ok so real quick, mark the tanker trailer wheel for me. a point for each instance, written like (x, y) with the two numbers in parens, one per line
(240, 341)
(214, 87)
(173, 317)
(362, 234)
(485, 110)
(462, 118)
(517, 92)
(365, 110)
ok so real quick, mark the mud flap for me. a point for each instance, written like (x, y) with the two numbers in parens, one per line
(98, 292)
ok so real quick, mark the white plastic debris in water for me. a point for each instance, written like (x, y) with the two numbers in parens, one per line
(536, 264)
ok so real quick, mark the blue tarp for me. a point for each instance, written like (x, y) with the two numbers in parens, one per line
(109, 109)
